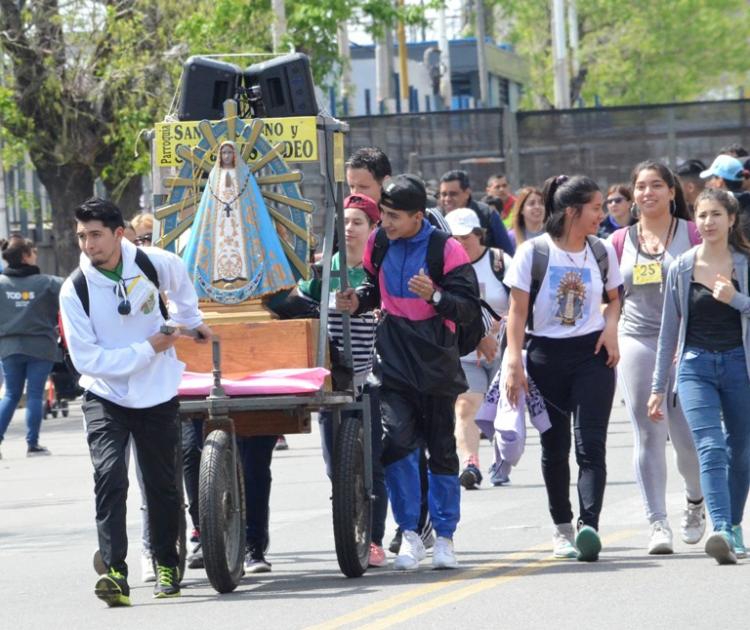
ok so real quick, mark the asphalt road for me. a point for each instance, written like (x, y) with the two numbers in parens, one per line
(507, 577)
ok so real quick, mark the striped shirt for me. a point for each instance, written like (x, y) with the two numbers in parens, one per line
(362, 326)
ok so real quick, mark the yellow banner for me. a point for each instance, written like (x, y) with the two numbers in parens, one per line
(298, 135)
(339, 165)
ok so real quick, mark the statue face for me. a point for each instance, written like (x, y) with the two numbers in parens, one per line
(226, 156)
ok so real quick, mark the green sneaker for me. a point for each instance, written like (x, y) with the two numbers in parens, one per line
(113, 589)
(720, 546)
(588, 544)
(167, 582)
(739, 544)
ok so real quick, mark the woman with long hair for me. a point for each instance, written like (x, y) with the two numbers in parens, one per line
(705, 325)
(571, 353)
(645, 251)
(528, 215)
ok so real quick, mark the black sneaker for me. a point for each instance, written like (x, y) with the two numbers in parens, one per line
(34, 450)
(167, 582)
(195, 559)
(471, 477)
(113, 589)
(395, 544)
(255, 562)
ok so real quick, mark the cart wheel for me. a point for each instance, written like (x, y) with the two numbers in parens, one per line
(64, 408)
(352, 508)
(222, 514)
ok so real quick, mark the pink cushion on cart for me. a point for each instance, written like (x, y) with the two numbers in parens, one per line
(289, 381)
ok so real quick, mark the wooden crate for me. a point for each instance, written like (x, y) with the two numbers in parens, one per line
(255, 347)
(267, 422)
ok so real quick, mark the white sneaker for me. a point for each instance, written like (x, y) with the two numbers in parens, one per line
(693, 524)
(562, 541)
(661, 538)
(412, 552)
(147, 567)
(443, 554)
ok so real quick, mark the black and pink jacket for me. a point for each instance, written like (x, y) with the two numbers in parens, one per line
(415, 340)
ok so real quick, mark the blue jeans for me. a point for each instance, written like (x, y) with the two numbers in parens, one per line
(20, 369)
(712, 386)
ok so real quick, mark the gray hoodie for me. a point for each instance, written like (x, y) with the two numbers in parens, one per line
(28, 313)
(674, 314)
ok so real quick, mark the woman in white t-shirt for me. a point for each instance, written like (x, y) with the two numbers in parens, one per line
(571, 352)
(481, 365)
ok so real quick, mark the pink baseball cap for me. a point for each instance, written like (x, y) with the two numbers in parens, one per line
(365, 204)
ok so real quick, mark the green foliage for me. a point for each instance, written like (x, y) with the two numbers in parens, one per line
(107, 71)
(11, 148)
(639, 51)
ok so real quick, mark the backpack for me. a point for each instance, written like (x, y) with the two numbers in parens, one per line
(144, 264)
(468, 335)
(618, 237)
(540, 262)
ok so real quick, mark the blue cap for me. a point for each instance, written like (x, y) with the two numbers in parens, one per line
(726, 167)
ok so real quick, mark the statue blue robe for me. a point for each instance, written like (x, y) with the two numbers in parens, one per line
(234, 252)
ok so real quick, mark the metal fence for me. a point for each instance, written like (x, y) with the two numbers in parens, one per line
(604, 143)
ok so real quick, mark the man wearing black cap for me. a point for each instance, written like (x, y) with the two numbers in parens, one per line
(419, 360)
(689, 173)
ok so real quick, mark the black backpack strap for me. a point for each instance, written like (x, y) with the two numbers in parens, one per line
(539, 264)
(602, 260)
(82, 288)
(146, 266)
(497, 263)
(436, 255)
(379, 249)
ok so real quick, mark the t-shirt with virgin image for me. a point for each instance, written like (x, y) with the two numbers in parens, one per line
(570, 297)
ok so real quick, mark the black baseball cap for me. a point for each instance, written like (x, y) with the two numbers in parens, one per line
(404, 192)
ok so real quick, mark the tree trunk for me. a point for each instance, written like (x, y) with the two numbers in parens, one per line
(127, 196)
(67, 186)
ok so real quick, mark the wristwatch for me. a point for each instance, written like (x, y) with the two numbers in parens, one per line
(436, 297)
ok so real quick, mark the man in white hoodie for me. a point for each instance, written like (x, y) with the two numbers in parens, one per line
(130, 374)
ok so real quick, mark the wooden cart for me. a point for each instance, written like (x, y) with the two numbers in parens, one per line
(244, 346)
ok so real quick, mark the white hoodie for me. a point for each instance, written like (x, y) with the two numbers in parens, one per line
(110, 350)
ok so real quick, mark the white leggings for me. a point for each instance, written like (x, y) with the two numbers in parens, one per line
(635, 370)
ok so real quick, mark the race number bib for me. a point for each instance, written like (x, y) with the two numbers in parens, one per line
(647, 273)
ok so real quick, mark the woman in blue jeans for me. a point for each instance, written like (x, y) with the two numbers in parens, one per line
(28, 336)
(705, 319)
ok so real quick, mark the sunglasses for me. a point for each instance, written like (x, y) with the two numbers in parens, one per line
(612, 200)
(142, 240)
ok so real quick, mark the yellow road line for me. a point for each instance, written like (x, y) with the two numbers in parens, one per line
(454, 596)
(428, 589)
(478, 587)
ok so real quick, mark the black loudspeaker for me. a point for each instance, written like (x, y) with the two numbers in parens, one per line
(206, 84)
(285, 84)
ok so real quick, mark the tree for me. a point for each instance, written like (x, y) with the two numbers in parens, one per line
(639, 51)
(85, 79)
(74, 103)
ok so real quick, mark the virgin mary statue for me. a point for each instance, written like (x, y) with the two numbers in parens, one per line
(234, 252)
